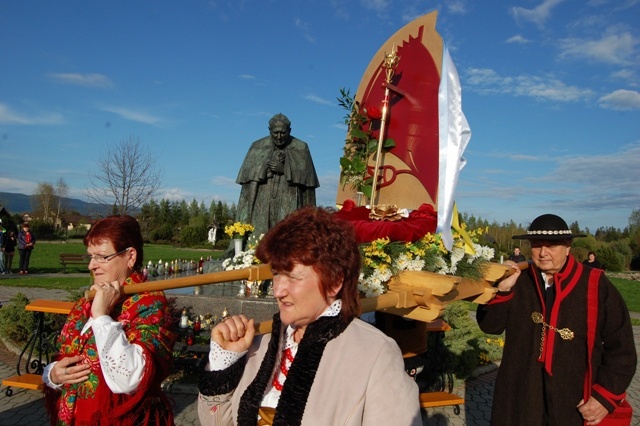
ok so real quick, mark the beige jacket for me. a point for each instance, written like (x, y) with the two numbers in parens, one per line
(360, 381)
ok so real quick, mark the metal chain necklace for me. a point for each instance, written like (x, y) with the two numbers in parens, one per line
(565, 333)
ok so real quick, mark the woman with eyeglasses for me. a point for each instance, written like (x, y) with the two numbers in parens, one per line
(115, 350)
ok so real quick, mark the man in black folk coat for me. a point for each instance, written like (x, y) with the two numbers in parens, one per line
(542, 375)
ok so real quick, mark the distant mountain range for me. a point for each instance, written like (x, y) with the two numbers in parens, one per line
(21, 203)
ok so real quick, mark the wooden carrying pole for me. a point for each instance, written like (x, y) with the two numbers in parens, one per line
(499, 271)
(252, 273)
(390, 300)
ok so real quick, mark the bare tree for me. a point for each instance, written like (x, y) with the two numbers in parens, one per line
(125, 177)
(44, 201)
(61, 191)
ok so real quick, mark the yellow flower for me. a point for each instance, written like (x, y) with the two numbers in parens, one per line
(238, 229)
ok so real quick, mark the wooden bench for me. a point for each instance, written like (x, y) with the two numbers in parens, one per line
(441, 399)
(50, 306)
(33, 381)
(23, 381)
(72, 259)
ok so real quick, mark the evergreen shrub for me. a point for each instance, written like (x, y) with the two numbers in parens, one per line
(466, 346)
(17, 324)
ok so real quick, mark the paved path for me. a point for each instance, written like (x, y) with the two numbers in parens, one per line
(26, 408)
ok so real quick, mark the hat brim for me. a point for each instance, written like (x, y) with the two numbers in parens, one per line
(551, 237)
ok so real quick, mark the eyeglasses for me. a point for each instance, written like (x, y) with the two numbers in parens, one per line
(104, 259)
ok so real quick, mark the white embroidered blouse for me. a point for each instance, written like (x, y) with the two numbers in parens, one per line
(122, 362)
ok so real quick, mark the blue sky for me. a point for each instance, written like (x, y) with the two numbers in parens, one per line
(551, 90)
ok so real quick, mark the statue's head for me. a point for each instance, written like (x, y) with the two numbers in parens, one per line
(280, 130)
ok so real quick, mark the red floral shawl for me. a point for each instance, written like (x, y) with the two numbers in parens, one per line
(147, 322)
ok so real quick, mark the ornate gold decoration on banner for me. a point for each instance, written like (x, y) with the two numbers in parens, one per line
(565, 333)
(385, 212)
(390, 64)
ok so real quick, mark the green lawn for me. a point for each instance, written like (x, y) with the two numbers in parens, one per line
(630, 291)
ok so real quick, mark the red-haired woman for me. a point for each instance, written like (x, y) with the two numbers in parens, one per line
(320, 365)
(115, 350)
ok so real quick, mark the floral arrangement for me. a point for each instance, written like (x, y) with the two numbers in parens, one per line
(360, 144)
(244, 259)
(382, 259)
(238, 230)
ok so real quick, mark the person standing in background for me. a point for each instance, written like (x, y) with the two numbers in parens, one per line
(26, 242)
(517, 257)
(9, 249)
(592, 261)
(2, 237)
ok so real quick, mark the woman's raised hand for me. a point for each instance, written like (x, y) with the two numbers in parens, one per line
(234, 334)
(108, 294)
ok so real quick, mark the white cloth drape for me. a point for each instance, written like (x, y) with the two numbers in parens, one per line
(454, 136)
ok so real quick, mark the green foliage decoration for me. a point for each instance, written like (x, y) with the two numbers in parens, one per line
(360, 145)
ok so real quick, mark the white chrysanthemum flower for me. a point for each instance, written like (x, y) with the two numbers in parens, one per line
(402, 263)
(457, 254)
(382, 275)
(441, 266)
(484, 252)
(416, 265)
(371, 287)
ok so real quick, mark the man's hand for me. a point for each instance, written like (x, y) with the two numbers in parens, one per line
(508, 283)
(592, 411)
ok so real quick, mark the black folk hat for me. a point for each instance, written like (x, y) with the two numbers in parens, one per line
(548, 227)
